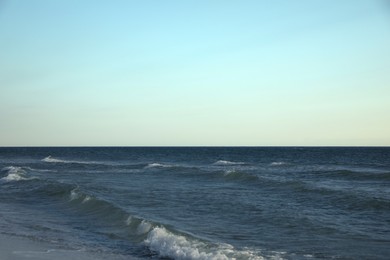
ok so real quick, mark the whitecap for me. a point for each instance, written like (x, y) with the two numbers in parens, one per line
(13, 177)
(86, 199)
(12, 169)
(158, 165)
(74, 195)
(50, 159)
(229, 172)
(143, 227)
(223, 162)
(278, 163)
(167, 244)
(15, 174)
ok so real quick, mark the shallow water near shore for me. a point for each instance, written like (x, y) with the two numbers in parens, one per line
(196, 203)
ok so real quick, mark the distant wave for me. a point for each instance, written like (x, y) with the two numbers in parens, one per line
(166, 165)
(15, 174)
(366, 170)
(223, 163)
(355, 173)
(38, 170)
(159, 165)
(278, 163)
(239, 175)
(50, 159)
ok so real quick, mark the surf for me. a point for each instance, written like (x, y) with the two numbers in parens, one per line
(14, 174)
(227, 163)
(50, 159)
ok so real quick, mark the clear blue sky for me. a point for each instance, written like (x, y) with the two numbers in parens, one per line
(194, 72)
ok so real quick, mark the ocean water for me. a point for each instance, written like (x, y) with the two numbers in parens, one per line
(200, 202)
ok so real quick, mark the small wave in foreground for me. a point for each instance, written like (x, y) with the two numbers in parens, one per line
(161, 240)
(167, 244)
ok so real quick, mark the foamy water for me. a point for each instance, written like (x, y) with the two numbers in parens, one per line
(199, 203)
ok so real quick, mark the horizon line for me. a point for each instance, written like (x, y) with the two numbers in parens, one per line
(198, 146)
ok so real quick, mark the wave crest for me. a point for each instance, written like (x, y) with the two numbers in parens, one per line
(15, 174)
(167, 244)
(239, 175)
(159, 165)
(278, 163)
(159, 239)
(223, 163)
(50, 159)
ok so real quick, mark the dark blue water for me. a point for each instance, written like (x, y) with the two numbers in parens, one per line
(201, 203)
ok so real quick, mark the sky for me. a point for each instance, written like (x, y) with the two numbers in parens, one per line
(195, 73)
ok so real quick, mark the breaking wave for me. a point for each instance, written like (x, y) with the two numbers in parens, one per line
(15, 174)
(278, 163)
(159, 165)
(176, 246)
(50, 159)
(224, 163)
(113, 221)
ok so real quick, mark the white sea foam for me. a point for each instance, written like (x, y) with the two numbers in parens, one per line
(167, 244)
(74, 195)
(229, 172)
(223, 162)
(13, 177)
(53, 160)
(13, 169)
(158, 165)
(129, 220)
(50, 159)
(15, 174)
(143, 227)
(86, 199)
(278, 163)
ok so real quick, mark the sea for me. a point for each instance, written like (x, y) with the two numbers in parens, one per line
(199, 202)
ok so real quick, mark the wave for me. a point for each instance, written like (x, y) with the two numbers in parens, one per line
(53, 160)
(15, 174)
(224, 163)
(356, 174)
(351, 199)
(215, 174)
(37, 170)
(278, 163)
(159, 165)
(50, 159)
(172, 167)
(107, 218)
(176, 246)
(239, 175)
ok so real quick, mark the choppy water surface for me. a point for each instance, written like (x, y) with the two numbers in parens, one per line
(200, 203)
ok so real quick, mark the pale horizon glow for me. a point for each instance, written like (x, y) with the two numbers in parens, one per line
(195, 73)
